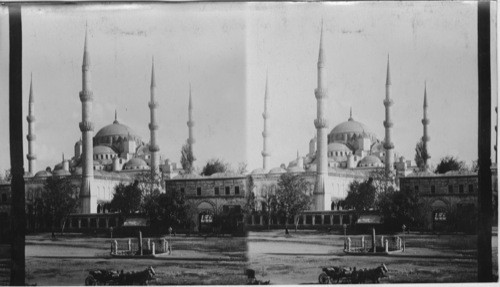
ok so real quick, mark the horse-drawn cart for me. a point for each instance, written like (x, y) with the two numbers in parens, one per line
(113, 277)
(346, 275)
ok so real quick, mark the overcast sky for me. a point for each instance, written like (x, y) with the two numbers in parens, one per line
(224, 51)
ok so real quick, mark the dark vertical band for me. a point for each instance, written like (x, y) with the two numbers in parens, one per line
(18, 220)
(484, 144)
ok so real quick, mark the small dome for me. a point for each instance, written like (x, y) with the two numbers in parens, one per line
(370, 160)
(136, 163)
(43, 173)
(258, 171)
(102, 149)
(61, 172)
(277, 170)
(335, 146)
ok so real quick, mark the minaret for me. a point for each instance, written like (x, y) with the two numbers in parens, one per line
(89, 204)
(321, 124)
(190, 125)
(31, 137)
(388, 145)
(153, 126)
(266, 154)
(425, 137)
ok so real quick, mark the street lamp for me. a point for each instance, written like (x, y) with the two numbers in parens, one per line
(345, 235)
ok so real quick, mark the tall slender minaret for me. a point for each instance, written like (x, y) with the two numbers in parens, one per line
(388, 145)
(153, 126)
(31, 137)
(190, 124)
(321, 124)
(425, 137)
(89, 204)
(266, 154)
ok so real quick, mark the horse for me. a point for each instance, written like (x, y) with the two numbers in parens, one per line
(372, 275)
(137, 278)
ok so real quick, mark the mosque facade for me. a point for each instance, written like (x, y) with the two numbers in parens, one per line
(348, 152)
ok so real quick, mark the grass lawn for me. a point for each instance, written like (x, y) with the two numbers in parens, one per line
(299, 258)
(67, 260)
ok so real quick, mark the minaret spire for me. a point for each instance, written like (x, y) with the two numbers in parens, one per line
(425, 137)
(350, 115)
(153, 126)
(190, 124)
(89, 203)
(266, 155)
(31, 137)
(321, 124)
(388, 145)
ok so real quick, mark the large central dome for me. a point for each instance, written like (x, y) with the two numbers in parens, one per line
(346, 130)
(115, 132)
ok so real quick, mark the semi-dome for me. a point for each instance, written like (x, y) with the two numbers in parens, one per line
(136, 163)
(369, 161)
(101, 149)
(338, 147)
(61, 172)
(43, 173)
(277, 170)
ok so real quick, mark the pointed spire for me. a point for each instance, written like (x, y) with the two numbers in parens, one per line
(153, 80)
(190, 101)
(116, 118)
(350, 115)
(267, 85)
(388, 79)
(425, 94)
(62, 157)
(321, 57)
(298, 154)
(32, 99)
(86, 55)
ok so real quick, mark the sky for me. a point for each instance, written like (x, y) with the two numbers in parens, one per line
(225, 50)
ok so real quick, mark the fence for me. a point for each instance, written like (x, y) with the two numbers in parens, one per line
(365, 244)
(131, 246)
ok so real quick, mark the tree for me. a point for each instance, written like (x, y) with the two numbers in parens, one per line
(450, 163)
(242, 168)
(215, 166)
(381, 181)
(187, 158)
(361, 195)
(58, 200)
(7, 176)
(175, 210)
(292, 196)
(401, 207)
(127, 198)
(421, 155)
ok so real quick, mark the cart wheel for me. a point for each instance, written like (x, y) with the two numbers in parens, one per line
(90, 281)
(323, 278)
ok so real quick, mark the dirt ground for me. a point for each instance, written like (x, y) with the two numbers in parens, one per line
(67, 260)
(298, 258)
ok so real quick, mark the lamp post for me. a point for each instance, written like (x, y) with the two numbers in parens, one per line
(345, 235)
(404, 241)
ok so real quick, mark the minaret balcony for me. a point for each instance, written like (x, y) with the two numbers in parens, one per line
(425, 121)
(154, 148)
(388, 124)
(86, 96)
(388, 145)
(426, 138)
(266, 115)
(153, 127)
(31, 137)
(266, 134)
(265, 153)
(321, 123)
(31, 156)
(388, 102)
(30, 118)
(190, 124)
(191, 141)
(86, 126)
(321, 93)
(153, 105)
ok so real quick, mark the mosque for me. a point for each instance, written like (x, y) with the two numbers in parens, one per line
(348, 152)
